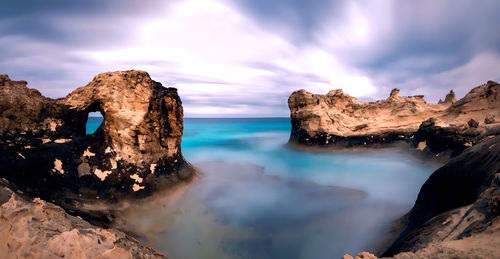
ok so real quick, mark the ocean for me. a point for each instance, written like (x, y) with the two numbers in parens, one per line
(257, 197)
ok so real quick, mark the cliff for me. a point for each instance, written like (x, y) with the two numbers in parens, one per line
(45, 151)
(339, 120)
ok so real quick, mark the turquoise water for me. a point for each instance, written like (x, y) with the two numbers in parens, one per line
(93, 124)
(259, 198)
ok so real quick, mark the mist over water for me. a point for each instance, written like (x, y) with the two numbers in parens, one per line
(256, 197)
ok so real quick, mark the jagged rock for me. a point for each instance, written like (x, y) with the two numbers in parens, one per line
(394, 93)
(490, 119)
(39, 229)
(29, 118)
(337, 119)
(473, 123)
(450, 98)
(135, 151)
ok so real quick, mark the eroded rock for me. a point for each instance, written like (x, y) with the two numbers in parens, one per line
(143, 125)
(39, 229)
(337, 119)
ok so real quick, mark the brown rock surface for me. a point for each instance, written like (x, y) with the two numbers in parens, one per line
(136, 150)
(456, 214)
(341, 120)
(142, 119)
(39, 229)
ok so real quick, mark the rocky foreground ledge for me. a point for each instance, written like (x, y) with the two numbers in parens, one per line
(34, 228)
(457, 212)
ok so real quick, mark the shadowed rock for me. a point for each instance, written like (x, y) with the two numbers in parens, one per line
(136, 150)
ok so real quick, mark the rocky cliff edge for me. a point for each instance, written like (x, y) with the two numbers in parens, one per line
(339, 120)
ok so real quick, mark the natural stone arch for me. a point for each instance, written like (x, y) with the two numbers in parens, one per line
(142, 120)
(135, 150)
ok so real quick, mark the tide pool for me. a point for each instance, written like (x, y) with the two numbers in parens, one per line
(257, 197)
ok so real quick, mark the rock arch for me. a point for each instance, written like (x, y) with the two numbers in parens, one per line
(136, 150)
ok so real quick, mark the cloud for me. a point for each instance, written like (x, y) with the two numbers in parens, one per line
(243, 58)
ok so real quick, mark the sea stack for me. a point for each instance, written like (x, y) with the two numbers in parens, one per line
(135, 151)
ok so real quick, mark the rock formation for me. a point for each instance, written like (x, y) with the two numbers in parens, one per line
(457, 212)
(39, 229)
(337, 119)
(46, 152)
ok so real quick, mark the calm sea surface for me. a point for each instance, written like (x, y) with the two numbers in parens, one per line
(259, 198)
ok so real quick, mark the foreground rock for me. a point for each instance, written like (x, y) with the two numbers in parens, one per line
(45, 151)
(337, 119)
(39, 229)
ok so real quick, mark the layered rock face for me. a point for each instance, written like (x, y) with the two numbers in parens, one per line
(337, 119)
(136, 150)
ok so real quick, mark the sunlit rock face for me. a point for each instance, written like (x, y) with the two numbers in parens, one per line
(338, 119)
(136, 150)
(39, 229)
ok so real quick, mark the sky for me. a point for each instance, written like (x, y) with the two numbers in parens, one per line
(243, 58)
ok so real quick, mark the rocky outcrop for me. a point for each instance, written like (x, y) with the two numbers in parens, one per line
(459, 200)
(457, 212)
(39, 229)
(337, 119)
(46, 152)
(450, 98)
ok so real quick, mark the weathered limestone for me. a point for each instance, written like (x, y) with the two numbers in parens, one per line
(39, 229)
(457, 212)
(46, 152)
(337, 119)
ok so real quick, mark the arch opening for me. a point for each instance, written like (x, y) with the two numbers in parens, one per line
(94, 121)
